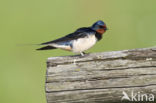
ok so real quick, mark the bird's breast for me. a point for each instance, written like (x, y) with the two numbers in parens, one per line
(83, 44)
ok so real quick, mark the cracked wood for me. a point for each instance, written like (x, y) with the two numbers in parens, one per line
(100, 77)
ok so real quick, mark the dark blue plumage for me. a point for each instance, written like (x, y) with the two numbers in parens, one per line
(79, 33)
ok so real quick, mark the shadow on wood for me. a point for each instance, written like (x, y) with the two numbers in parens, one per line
(101, 77)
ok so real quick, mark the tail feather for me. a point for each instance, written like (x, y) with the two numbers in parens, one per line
(46, 48)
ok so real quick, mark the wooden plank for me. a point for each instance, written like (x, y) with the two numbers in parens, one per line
(100, 77)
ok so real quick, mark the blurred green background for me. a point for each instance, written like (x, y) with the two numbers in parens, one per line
(132, 24)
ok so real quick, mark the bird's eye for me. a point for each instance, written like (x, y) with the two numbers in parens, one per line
(101, 27)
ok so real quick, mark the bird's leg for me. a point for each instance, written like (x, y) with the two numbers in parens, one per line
(82, 53)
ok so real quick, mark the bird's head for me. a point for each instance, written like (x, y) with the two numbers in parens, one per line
(99, 27)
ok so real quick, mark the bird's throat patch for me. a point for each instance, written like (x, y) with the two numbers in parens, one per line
(100, 31)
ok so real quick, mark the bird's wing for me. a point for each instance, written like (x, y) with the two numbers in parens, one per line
(79, 33)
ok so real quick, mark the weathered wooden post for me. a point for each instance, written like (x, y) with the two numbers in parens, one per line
(102, 77)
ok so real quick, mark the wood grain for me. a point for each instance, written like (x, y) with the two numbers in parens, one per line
(100, 77)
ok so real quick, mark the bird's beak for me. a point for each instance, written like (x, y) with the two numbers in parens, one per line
(106, 28)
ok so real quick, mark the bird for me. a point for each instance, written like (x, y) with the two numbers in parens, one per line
(80, 40)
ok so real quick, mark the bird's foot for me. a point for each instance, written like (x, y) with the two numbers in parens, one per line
(82, 54)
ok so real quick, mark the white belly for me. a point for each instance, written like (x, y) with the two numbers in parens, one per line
(83, 44)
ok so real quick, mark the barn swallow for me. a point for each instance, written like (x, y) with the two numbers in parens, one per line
(80, 40)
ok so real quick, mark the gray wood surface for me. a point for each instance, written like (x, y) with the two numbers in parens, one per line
(101, 77)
